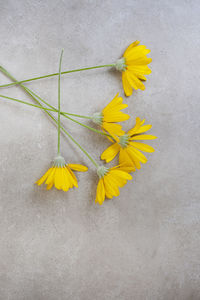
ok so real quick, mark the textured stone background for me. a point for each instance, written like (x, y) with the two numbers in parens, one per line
(145, 243)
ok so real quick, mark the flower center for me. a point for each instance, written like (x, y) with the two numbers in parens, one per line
(59, 161)
(123, 140)
(120, 64)
(101, 171)
(97, 118)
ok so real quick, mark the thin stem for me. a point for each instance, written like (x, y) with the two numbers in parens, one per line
(29, 92)
(78, 116)
(61, 55)
(49, 114)
(27, 103)
(55, 110)
(90, 128)
(82, 149)
(45, 102)
(56, 74)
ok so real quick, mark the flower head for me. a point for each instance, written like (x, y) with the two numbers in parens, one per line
(133, 66)
(110, 180)
(111, 114)
(128, 146)
(60, 175)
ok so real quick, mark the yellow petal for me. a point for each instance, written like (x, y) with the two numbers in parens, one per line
(66, 180)
(137, 154)
(120, 177)
(73, 178)
(141, 69)
(114, 116)
(142, 147)
(134, 159)
(77, 167)
(49, 186)
(143, 137)
(110, 153)
(138, 124)
(119, 181)
(100, 194)
(134, 81)
(137, 52)
(134, 44)
(124, 158)
(115, 101)
(58, 178)
(122, 174)
(108, 193)
(140, 76)
(111, 188)
(111, 139)
(44, 177)
(112, 112)
(143, 129)
(50, 178)
(70, 181)
(127, 169)
(126, 85)
(113, 129)
(141, 63)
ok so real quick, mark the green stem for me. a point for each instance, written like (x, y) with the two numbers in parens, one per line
(40, 98)
(45, 102)
(27, 103)
(55, 74)
(29, 92)
(61, 55)
(81, 148)
(55, 110)
(63, 129)
(78, 116)
(90, 128)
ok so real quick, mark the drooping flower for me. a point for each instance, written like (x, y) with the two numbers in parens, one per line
(110, 180)
(110, 115)
(128, 146)
(60, 175)
(133, 66)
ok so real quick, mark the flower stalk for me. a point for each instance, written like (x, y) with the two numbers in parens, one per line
(64, 114)
(60, 63)
(55, 74)
(35, 98)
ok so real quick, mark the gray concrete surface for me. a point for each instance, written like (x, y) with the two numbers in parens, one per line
(144, 244)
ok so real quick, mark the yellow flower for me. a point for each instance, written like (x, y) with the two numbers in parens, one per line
(110, 181)
(60, 175)
(111, 114)
(128, 146)
(133, 65)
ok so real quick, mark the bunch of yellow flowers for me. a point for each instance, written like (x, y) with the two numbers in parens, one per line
(126, 145)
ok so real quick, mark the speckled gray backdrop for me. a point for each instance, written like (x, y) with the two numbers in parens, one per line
(144, 244)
